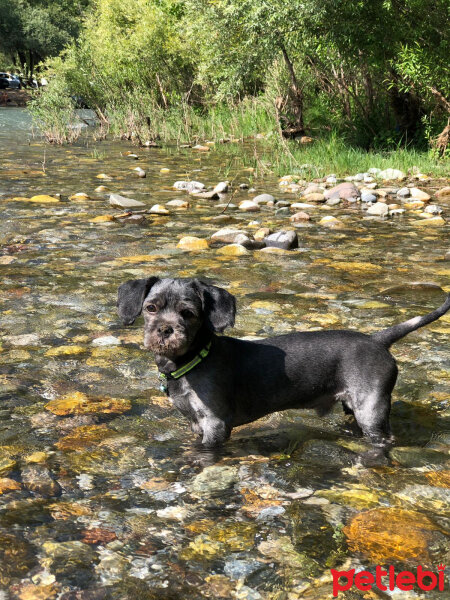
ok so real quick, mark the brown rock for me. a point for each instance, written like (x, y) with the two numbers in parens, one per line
(443, 192)
(314, 197)
(299, 217)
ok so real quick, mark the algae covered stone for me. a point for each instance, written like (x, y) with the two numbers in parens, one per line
(214, 479)
(78, 403)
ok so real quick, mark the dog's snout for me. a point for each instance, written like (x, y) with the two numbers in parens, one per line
(165, 330)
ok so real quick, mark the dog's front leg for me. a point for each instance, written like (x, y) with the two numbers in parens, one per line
(215, 431)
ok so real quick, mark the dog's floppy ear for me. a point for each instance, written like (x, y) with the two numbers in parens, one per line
(218, 304)
(131, 297)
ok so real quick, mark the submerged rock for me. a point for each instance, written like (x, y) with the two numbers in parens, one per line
(7, 485)
(38, 479)
(443, 192)
(433, 222)
(17, 557)
(213, 480)
(233, 250)
(282, 551)
(387, 534)
(326, 454)
(72, 561)
(178, 204)
(242, 569)
(330, 221)
(78, 403)
(205, 195)
(123, 202)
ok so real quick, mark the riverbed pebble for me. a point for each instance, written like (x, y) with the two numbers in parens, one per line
(119, 201)
(418, 194)
(178, 204)
(233, 250)
(433, 209)
(222, 187)
(366, 197)
(227, 235)
(249, 206)
(158, 209)
(189, 186)
(192, 243)
(380, 209)
(443, 192)
(285, 240)
(299, 217)
(263, 199)
(313, 197)
(343, 191)
(391, 174)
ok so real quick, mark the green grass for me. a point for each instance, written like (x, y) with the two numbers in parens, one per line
(332, 154)
(135, 116)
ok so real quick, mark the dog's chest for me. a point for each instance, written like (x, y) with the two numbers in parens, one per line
(188, 401)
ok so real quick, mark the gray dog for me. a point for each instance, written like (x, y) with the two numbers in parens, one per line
(219, 382)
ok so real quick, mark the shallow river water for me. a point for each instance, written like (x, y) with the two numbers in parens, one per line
(103, 490)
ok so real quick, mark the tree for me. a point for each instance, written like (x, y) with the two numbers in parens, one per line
(32, 30)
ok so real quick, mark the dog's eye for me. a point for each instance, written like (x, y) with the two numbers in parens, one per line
(151, 308)
(187, 314)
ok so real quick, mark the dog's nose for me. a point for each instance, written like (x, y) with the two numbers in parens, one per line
(165, 330)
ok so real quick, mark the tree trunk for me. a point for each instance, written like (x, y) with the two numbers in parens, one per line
(31, 65)
(297, 94)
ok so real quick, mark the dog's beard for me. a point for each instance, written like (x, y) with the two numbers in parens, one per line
(172, 347)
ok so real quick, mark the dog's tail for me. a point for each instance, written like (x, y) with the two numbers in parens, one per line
(389, 336)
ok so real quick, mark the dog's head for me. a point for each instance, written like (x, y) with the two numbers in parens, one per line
(175, 311)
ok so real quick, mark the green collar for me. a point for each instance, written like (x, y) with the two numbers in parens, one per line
(184, 369)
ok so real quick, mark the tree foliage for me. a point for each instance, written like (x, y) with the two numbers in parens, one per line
(32, 30)
(377, 70)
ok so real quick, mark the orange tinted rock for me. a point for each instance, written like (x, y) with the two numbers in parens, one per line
(386, 534)
(83, 437)
(6, 485)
